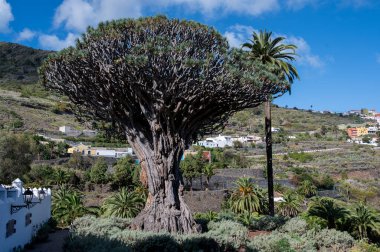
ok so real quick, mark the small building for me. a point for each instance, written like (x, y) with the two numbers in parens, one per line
(275, 130)
(372, 130)
(250, 139)
(85, 150)
(357, 132)
(219, 141)
(69, 131)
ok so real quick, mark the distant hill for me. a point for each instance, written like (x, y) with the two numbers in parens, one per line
(19, 64)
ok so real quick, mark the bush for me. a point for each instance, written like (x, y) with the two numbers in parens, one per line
(112, 234)
(294, 226)
(269, 223)
(279, 242)
(228, 233)
(301, 156)
(363, 246)
(325, 182)
(331, 238)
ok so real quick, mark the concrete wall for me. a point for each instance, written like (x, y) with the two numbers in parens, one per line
(40, 213)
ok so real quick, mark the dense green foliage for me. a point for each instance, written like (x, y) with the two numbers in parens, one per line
(290, 206)
(248, 197)
(19, 63)
(126, 173)
(16, 155)
(329, 210)
(123, 204)
(67, 205)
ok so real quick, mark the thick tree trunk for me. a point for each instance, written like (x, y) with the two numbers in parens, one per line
(268, 141)
(165, 209)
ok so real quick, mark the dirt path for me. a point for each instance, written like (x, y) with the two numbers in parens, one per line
(53, 244)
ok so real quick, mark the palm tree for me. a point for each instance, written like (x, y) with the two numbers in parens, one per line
(123, 204)
(328, 210)
(363, 220)
(307, 188)
(248, 197)
(273, 52)
(60, 176)
(68, 205)
(290, 206)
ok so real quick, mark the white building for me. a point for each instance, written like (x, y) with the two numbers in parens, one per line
(248, 139)
(115, 153)
(275, 130)
(372, 130)
(219, 141)
(19, 221)
(67, 130)
(223, 141)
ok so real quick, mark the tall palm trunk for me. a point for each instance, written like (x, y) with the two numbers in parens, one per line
(268, 141)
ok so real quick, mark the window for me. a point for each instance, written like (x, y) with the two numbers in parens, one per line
(28, 219)
(10, 228)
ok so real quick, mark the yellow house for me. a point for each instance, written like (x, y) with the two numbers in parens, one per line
(81, 148)
(361, 131)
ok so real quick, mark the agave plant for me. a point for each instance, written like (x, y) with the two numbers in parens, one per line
(290, 206)
(123, 204)
(248, 197)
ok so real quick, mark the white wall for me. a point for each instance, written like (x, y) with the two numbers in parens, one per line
(41, 212)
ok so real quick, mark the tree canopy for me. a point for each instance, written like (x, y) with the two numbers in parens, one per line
(160, 82)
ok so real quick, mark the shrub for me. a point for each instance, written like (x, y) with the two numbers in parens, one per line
(228, 233)
(301, 156)
(331, 238)
(294, 226)
(363, 246)
(269, 223)
(279, 242)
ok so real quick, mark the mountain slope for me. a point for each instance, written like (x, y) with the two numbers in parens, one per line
(19, 64)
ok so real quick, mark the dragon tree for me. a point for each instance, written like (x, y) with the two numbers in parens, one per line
(162, 83)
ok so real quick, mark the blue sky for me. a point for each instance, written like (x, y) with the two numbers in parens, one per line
(338, 40)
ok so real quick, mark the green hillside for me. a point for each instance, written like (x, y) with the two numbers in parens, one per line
(19, 64)
(289, 120)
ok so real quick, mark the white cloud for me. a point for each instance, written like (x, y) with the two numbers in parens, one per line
(239, 34)
(299, 4)
(52, 42)
(25, 34)
(78, 14)
(217, 7)
(6, 16)
(305, 56)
